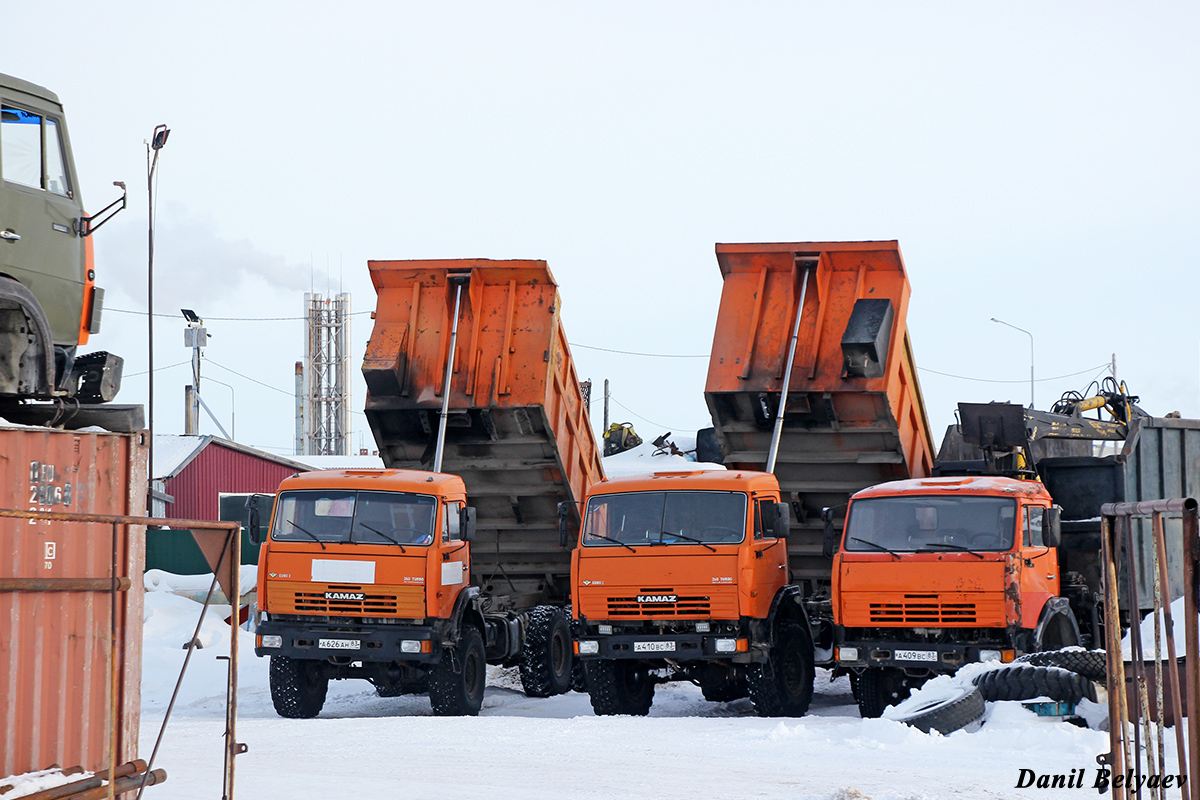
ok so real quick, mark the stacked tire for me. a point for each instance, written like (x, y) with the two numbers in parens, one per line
(1091, 664)
(945, 715)
(1027, 682)
(1064, 676)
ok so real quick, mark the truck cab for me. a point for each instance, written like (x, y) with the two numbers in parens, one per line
(935, 573)
(366, 574)
(683, 576)
(49, 303)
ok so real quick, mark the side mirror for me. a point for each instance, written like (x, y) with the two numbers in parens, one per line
(1052, 526)
(782, 525)
(466, 523)
(254, 524)
(829, 546)
(564, 525)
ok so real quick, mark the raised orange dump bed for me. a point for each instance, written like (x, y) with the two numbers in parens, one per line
(518, 432)
(854, 415)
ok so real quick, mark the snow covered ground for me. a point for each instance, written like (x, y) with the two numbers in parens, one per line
(366, 746)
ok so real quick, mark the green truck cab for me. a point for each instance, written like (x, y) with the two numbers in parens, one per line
(49, 303)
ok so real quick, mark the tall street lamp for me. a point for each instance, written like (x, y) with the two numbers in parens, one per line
(161, 133)
(1030, 335)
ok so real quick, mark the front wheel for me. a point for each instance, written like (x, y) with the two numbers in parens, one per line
(880, 687)
(620, 687)
(456, 682)
(297, 687)
(783, 686)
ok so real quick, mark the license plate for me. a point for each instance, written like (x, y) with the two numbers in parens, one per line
(339, 644)
(916, 655)
(654, 647)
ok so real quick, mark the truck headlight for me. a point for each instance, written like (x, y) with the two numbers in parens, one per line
(272, 641)
(847, 654)
(726, 645)
(410, 645)
(589, 648)
(989, 655)
(703, 627)
(604, 630)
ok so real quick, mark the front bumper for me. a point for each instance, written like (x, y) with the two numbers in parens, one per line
(379, 643)
(675, 646)
(913, 655)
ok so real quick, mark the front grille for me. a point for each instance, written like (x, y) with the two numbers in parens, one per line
(315, 602)
(923, 610)
(682, 607)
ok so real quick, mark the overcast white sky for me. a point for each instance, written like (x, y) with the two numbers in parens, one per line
(1038, 162)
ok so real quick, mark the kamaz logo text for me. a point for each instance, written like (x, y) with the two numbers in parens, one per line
(657, 598)
(345, 596)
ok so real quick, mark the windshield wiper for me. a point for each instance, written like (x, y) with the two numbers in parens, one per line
(958, 547)
(615, 541)
(307, 533)
(682, 536)
(876, 545)
(384, 535)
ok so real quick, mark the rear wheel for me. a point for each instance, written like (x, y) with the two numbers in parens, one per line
(297, 687)
(578, 676)
(880, 687)
(546, 658)
(620, 687)
(783, 687)
(456, 682)
(725, 692)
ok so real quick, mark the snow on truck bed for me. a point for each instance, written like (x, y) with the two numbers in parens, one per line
(364, 746)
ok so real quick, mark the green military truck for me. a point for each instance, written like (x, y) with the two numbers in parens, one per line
(49, 303)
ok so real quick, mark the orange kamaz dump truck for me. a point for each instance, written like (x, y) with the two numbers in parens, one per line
(414, 579)
(683, 576)
(823, 322)
(999, 555)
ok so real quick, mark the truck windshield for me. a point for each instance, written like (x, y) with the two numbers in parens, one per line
(933, 524)
(359, 517)
(652, 518)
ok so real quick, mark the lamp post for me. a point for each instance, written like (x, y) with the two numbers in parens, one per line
(160, 139)
(1030, 335)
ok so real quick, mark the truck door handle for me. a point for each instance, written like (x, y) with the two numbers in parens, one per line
(10, 236)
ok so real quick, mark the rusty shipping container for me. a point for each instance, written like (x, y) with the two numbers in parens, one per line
(854, 414)
(518, 431)
(56, 674)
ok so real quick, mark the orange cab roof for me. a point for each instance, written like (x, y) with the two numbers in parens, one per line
(696, 480)
(378, 480)
(984, 484)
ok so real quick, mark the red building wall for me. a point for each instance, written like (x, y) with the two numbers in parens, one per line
(215, 470)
